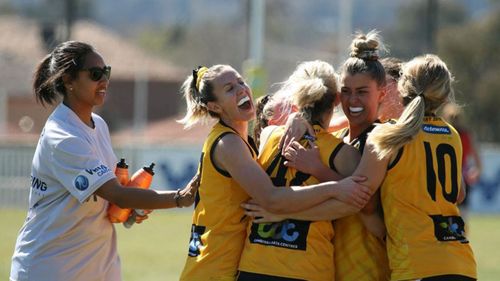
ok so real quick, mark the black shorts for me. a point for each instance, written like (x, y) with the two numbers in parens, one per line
(448, 277)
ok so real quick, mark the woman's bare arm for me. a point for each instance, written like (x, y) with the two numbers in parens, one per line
(233, 155)
(138, 198)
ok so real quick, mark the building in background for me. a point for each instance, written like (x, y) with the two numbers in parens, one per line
(143, 88)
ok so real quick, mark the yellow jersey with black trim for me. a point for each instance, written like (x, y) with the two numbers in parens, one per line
(219, 223)
(291, 249)
(426, 234)
(359, 255)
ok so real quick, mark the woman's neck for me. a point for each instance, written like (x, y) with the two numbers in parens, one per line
(355, 131)
(241, 127)
(84, 113)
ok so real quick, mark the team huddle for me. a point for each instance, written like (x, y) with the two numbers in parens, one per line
(369, 196)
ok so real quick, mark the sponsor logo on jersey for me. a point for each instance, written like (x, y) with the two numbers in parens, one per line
(290, 234)
(99, 170)
(81, 182)
(89, 177)
(431, 129)
(38, 184)
(449, 228)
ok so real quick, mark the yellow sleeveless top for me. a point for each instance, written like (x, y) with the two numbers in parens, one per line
(219, 224)
(419, 195)
(295, 249)
(359, 255)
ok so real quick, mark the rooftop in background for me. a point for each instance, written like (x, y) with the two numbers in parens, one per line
(21, 48)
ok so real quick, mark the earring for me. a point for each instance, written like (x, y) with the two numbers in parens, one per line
(71, 89)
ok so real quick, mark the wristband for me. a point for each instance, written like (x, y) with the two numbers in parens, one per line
(177, 197)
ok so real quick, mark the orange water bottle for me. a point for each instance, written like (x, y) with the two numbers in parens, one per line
(121, 172)
(141, 179)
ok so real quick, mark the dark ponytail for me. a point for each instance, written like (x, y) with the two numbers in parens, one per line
(44, 91)
(66, 59)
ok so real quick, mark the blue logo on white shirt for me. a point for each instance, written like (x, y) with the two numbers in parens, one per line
(81, 183)
(441, 130)
(99, 170)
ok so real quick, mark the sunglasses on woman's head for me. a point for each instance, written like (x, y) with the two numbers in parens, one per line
(96, 73)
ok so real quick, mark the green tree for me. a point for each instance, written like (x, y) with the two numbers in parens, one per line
(409, 36)
(471, 52)
(6, 8)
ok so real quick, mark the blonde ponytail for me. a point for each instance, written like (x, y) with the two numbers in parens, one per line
(196, 111)
(307, 92)
(425, 85)
(388, 138)
(311, 88)
(197, 90)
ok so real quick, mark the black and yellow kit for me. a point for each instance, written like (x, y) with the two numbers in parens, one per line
(219, 225)
(359, 255)
(291, 249)
(419, 196)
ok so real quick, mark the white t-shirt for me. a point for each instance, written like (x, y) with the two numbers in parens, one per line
(66, 235)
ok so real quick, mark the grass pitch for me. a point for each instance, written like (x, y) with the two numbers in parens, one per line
(157, 249)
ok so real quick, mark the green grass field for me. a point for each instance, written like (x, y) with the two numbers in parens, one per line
(156, 249)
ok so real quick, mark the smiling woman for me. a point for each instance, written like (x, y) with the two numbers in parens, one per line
(230, 175)
(67, 235)
(363, 87)
(359, 247)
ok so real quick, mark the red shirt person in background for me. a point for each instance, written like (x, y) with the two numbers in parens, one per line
(471, 162)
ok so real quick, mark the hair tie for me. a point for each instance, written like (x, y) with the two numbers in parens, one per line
(198, 75)
(368, 55)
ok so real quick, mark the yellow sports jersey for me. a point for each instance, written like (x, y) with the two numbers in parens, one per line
(359, 255)
(219, 225)
(292, 249)
(419, 195)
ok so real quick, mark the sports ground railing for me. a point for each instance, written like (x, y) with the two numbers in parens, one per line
(176, 164)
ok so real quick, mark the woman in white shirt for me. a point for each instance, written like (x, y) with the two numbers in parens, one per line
(67, 235)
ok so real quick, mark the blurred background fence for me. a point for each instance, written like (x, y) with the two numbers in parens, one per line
(176, 165)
